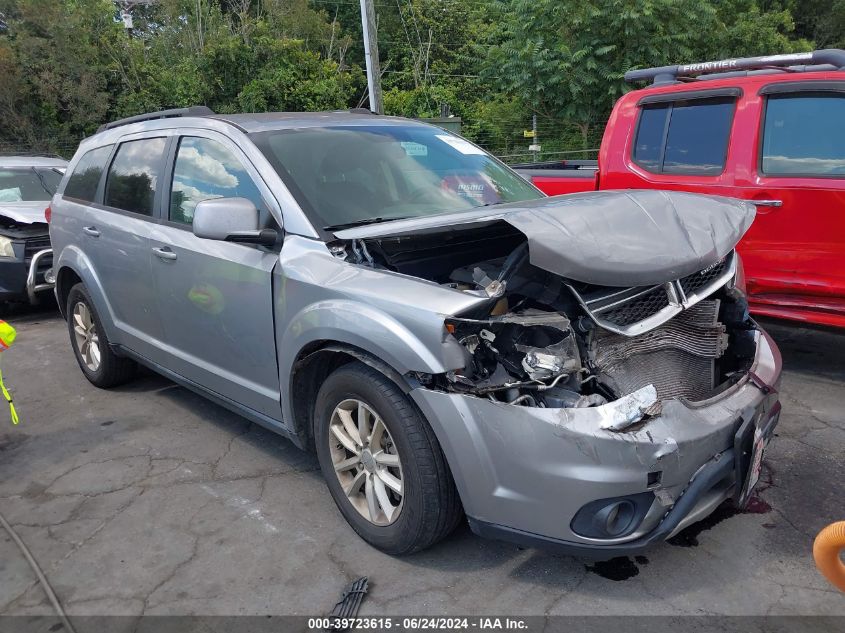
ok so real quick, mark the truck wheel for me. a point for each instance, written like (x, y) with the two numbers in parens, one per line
(382, 463)
(101, 366)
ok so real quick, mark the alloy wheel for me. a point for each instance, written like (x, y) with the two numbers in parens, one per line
(366, 462)
(87, 337)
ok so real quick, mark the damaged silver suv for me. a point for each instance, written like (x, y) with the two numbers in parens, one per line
(577, 372)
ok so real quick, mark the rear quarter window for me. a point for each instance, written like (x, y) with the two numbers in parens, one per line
(83, 182)
(804, 135)
(684, 137)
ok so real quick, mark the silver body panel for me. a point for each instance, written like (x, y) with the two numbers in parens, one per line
(233, 320)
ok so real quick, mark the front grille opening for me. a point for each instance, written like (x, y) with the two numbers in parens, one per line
(622, 309)
(695, 282)
(641, 308)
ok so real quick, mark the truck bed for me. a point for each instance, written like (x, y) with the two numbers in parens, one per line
(559, 177)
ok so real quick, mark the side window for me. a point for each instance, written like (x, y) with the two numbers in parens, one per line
(804, 135)
(206, 169)
(684, 137)
(651, 133)
(83, 182)
(133, 176)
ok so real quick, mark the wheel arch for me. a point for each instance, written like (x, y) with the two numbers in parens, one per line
(312, 366)
(74, 267)
(66, 279)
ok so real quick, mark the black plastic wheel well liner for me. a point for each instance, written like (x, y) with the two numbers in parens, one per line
(66, 279)
(313, 365)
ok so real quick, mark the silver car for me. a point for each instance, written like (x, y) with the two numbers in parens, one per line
(576, 372)
(27, 183)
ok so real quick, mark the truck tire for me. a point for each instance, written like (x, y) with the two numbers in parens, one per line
(101, 366)
(382, 463)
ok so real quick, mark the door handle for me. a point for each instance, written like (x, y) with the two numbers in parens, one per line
(91, 230)
(162, 252)
(768, 203)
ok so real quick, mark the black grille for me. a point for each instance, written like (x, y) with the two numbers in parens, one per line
(642, 307)
(696, 281)
(35, 244)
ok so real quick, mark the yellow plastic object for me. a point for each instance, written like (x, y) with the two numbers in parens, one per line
(826, 548)
(7, 337)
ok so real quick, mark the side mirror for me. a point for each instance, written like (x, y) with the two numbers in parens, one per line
(231, 220)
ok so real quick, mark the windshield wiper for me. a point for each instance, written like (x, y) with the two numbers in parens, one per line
(362, 222)
(41, 180)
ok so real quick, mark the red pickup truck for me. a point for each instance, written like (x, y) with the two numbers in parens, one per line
(768, 129)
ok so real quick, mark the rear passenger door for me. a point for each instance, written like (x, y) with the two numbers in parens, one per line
(794, 251)
(215, 298)
(116, 232)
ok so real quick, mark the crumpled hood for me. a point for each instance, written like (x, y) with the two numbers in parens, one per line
(610, 238)
(24, 212)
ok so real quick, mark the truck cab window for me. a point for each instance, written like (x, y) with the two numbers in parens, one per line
(803, 135)
(695, 141)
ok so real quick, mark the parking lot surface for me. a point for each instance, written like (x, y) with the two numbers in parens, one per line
(149, 499)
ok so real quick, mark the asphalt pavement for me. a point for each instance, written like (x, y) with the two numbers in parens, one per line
(150, 499)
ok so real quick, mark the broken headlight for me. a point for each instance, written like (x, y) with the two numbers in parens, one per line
(515, 349)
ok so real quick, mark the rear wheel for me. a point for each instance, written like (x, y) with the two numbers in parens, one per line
(101, 366)
(382, 463)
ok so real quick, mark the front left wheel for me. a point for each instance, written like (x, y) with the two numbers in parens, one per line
(101, 366)
(382, 462)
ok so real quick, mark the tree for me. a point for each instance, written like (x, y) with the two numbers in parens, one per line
(566, 58)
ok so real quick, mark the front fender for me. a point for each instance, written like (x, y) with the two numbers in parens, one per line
(364, 327)
(73, 258)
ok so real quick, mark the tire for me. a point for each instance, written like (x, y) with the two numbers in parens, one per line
(111, 369)
(429, 508)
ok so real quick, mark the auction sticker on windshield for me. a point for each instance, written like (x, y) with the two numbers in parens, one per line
(462, 145)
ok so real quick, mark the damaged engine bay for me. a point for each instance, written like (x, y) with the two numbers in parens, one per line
(540, 339)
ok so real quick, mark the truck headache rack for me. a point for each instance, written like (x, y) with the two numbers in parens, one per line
(161, 114)
(828, 59)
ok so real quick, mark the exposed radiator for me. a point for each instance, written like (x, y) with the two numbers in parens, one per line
(678, 357)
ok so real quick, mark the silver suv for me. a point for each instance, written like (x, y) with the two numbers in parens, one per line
(577, 372)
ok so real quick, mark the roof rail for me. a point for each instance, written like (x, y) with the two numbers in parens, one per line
(10, 154)
(827, 59)
(162, 114)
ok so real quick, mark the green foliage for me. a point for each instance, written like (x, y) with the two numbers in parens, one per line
(566, 58)
(66, 66)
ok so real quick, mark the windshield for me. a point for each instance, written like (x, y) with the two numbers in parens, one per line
(350, 175)
(28, 184)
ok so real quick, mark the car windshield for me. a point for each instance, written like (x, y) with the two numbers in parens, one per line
(28, 184)
(350, 175)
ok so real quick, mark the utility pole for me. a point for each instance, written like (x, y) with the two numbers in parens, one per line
(535, 142)
(368, 22)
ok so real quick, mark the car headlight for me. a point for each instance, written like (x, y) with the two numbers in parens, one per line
(6, 248)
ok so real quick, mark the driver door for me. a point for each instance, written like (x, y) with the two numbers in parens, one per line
(215, 298)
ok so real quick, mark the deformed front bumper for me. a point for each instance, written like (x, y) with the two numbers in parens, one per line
(524, 473)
